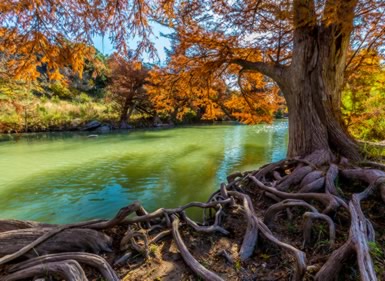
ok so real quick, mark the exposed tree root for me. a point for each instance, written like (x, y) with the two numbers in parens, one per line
(85, 258)
(274, 209)
(301, 192)
(30, 242)
(249, 243)
(68, 270)
(308, 218)
(199, 269)
(7, 225)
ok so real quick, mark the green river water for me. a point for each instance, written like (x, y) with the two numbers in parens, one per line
(68, 177)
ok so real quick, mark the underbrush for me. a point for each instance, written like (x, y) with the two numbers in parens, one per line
(374, 151)
(52, 115)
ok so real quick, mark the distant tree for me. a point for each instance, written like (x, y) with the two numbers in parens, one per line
(126, 86)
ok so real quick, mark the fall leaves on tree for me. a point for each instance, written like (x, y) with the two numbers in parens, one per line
(180, 95)
(192, 87)
(43, 34)
(24, 56)
(127, 79)
(58, 33)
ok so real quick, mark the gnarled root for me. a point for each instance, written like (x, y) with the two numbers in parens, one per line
(69, 270)
(308, 218)
(199, 269)
(361, 232)
(83, 258)
(274, 209)
(249, 241)
(29, 242)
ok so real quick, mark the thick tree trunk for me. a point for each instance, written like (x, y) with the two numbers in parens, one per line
(312, 89)
(123, 116)
(313, 124)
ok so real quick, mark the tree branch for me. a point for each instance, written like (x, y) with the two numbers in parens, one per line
(275, 72)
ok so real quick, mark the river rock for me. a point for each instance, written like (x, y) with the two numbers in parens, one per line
(91, 125)
(104, 129)
(164, 125)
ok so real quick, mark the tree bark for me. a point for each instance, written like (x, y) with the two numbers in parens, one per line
(124, 114)
(312, 90)
(314, 83)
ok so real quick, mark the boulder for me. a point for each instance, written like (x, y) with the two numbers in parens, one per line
(104, 129)
(92, 125)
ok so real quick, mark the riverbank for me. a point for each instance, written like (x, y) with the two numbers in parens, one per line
(53, 115)
(89, 115)
(55, 108)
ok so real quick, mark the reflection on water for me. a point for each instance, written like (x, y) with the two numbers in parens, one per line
(66, 177)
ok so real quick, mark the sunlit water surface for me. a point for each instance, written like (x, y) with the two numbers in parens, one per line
(67, 177)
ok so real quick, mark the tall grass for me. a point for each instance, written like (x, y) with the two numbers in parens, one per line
(52, 115)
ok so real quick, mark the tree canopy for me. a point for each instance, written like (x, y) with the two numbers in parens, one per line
(218, 32)
(223, 26)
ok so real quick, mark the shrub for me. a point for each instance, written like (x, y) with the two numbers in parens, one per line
(82, 98)
(60, 91)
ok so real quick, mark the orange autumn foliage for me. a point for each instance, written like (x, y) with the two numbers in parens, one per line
(220, 32)
(25, 56)
(58, 33)
(185, 88)
(258, 99)
(126, 87)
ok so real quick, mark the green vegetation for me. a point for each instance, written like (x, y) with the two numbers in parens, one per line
(153, 249)
(237, 265)
(378, 254)
(47, 104)
(31, 107)
(363, 101)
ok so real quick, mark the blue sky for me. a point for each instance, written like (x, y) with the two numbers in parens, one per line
(104, 44)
